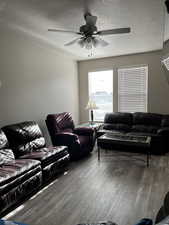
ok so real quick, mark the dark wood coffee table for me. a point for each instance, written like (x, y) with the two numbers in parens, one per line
(125, 140)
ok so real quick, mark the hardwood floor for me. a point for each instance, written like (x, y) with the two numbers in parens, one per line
(119, 188)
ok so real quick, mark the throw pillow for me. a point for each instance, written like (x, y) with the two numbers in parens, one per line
(6, 155)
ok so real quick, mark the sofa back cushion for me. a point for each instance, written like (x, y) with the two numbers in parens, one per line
(117, 127)
(24, 137)
(118, 118)
(152, 119)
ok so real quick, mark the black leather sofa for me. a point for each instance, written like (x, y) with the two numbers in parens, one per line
(25, 162)
(18, 177)
(147, 124)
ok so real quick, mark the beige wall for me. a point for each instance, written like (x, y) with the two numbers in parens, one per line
(158, 87)
(36, 80)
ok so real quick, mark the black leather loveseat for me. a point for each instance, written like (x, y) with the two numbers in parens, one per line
(25, 162)
(147, 124)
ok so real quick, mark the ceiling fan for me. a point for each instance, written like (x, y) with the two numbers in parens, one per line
(90, 36)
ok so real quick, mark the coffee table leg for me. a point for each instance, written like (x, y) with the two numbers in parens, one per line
(98, 151)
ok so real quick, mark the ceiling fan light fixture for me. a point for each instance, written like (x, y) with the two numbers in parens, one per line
(88, 46)
(88, 43)
(95, 42)
(81, 43)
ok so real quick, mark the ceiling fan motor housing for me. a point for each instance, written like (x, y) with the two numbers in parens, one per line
(88, 30)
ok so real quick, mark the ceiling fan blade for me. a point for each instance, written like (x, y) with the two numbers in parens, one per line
(72, 42)
(114, 31)
(64, 31)
(102, 42)
(90, 20)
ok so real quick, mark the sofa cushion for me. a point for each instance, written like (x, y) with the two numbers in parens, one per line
(24, 137)
(145, 129)
(118, 117)
(47, 155)
(13, 172)
(6, 155)
(140, 118)
(68, 130)
(117, 126)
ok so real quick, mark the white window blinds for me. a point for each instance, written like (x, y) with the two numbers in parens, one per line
(132, 89)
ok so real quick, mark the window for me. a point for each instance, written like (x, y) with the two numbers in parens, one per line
(132, 89)
(101, 91)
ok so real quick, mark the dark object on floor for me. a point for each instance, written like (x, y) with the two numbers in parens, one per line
(27, 164)
(141, 222)
(5, 222)
(145, 221)
(147, 124)
(80, 141)
(99, 223)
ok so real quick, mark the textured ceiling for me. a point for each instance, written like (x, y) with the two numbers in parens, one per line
(34, 17)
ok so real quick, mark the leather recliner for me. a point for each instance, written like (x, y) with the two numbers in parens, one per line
(80, 141)
(18, 177)
(27, 142)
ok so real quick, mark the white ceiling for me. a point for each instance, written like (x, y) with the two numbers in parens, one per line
(34, 17)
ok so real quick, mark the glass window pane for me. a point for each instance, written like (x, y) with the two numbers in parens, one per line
(101, 91)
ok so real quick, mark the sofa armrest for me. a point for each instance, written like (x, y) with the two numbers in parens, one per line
(66, 138)
(85, 131)
(163, 131)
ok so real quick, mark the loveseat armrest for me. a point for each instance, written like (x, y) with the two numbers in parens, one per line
(85, 131)
(163, 131)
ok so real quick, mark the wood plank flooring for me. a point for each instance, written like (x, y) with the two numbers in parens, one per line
(119, 188)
